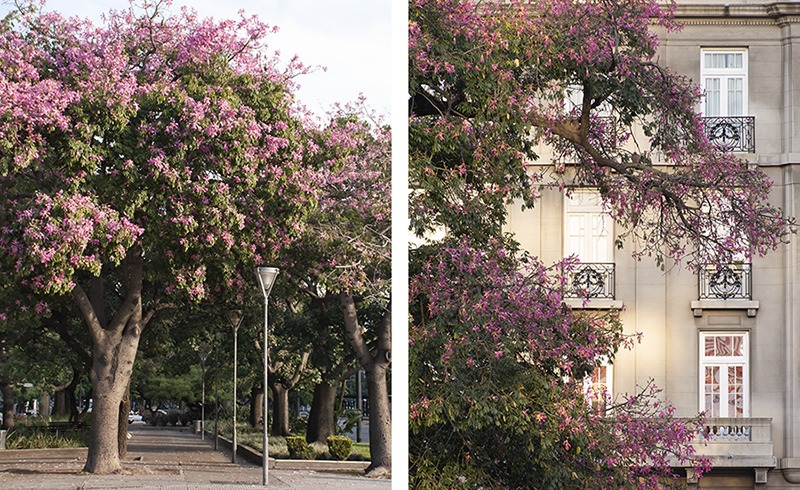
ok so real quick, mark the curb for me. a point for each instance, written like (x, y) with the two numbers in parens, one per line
(255, 457)
(10, 454)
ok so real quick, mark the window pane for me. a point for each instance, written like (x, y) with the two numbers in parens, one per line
(724, 60)
(712, 97)
(738, 345)
(709, 344)
(711, 389)
(735, 96)
(735, 391)
(724, 346)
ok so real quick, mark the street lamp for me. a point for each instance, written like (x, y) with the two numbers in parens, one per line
(235, 318)
(203, 359)
(266, 278)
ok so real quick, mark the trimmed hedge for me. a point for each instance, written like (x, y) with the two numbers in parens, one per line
(299, 448)
(340, 447)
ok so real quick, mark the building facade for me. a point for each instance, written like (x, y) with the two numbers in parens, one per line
(724, 340)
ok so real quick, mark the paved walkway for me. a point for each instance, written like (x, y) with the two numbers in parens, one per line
(165, 458)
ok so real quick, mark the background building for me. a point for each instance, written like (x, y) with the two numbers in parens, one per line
(725, 340)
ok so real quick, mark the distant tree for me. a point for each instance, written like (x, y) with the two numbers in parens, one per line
(346, 252)
(497, 360)
(334, 362)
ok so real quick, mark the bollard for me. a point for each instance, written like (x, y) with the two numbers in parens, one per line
(197, 425)
(2, 439)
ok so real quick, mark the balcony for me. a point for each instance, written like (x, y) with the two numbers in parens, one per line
(725, 287)
(737, 442)
(591, 285)
(732, 133)
(728, 281)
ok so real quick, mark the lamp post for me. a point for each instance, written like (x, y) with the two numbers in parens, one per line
(266, 278)
(235, 318)
(216, 394)
(203, 359)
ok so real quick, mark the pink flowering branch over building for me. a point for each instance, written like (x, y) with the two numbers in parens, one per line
(509, 100)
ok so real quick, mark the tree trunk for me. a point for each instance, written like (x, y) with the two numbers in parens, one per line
(380, 418)
(122, 423)
(65, 397)
(44, 405)
(280, 410)
(8, 405)
(375, 363)
(257, 407)
(114, 346)
(109, 385)
(60, 406)
(321, 420)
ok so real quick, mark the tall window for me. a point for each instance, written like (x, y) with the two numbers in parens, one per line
(588, 229)
(724, 77)
(724, 373)
(598, 388)
(573, 101)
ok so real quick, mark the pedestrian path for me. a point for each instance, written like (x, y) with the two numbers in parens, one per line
(165, 458)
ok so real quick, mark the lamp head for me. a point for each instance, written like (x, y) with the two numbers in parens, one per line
(235, 318)
(266, 279)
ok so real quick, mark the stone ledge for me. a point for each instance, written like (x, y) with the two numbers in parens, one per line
(698, 306)
(594, 304)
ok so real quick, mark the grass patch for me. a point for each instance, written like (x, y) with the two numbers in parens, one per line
(245, 434)
(34, 433)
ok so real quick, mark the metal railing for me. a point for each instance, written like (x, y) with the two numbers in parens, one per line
(732, 133)
(351, 403)
(726, 281)
(591, 280)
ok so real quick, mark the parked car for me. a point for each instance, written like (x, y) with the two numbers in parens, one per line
(134, 417)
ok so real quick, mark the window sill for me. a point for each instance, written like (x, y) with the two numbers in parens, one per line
(724, 304)
(593, 304)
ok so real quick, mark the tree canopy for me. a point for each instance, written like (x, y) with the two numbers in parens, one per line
(147, 162)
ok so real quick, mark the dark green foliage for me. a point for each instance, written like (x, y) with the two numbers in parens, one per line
(299, 448)
(340, 447)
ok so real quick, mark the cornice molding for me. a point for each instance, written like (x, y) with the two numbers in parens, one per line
(776, 13)
(727, 22)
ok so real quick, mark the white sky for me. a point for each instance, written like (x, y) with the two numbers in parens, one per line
(351, 38)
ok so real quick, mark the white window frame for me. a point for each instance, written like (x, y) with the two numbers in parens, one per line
(724, 362)
(573, 99)
(588, 203)
(592, 393)
(724, 75)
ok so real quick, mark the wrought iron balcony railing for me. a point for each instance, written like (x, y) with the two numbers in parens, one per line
(591, 280)
(732, 133)
(726, 281)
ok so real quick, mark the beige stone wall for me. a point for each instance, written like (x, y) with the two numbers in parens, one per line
(657, 300)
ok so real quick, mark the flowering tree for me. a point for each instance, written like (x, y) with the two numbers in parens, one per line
(497, 360)
(343, 261)
(144, 162)
(497, 369)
